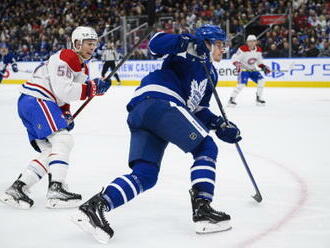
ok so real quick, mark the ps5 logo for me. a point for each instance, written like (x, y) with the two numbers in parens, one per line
(300, 69)
(276, 70)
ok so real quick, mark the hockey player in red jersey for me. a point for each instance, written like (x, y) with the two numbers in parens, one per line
(245, 60)
(44, 108)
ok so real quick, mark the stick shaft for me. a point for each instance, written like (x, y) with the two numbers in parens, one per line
(151, 10)
(238, 148)
(122, 61)
(82, 107)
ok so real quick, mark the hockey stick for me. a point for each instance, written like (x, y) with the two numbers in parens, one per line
(151, 21)
(257, 196)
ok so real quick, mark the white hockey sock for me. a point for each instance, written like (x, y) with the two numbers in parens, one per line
(237, 90)
(38, 167)
(29, 177)
(260, 88)
(34, 172)
(62, 143)
(58, 172)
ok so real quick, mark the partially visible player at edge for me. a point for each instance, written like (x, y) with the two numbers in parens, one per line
(45, 112)
(170, 105)
(6, 58)
(245, 59)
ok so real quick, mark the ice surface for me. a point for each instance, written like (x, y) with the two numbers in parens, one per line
(286, 144)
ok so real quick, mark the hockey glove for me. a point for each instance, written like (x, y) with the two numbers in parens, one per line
(97, 87)
(194, 46)
(14, 67)
(184, 40)
(238, 66)
(67, 116)
(265, 68)
(69, 120)
(228, 133)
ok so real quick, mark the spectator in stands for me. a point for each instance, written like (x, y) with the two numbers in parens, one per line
(285, 49)
(313, 20)
(297, 3)
(274, 52)
(325, 52)
(300, 20)
(42, 26)
(236, 27)
(191, 19)
(312, 51)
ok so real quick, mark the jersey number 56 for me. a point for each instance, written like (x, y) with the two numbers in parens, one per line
(64, 71)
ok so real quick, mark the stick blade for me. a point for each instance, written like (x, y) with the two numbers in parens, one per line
(257, 197)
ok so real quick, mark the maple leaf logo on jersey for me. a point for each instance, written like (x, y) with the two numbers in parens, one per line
(197, 92)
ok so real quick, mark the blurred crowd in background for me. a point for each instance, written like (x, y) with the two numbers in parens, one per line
(34, 29)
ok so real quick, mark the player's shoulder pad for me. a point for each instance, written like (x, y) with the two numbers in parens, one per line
(244, 48)
(160, 33)
(152, 43)
(71, 58)
(259, 49)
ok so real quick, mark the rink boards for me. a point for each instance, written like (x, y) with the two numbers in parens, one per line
(297, 72)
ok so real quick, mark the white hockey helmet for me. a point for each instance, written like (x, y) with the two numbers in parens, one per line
(251, 37)
(83, 33)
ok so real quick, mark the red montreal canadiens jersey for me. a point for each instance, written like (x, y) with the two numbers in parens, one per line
(248, 58)
(61, 79)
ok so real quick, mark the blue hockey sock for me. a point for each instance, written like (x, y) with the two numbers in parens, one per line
(203, 169)
(125, 188)
(203, 177)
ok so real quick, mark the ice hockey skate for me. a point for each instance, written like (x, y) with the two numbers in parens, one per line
(231, 102)
(17, 196)
(205, 218)
(260, 101)
(58, 196)
(90, 218)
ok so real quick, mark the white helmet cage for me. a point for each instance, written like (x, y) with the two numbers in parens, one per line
(83, 33)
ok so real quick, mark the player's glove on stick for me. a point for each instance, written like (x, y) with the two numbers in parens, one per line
(226, 132)
(68, 117)
(97, 87)
(194, 46)
(265, 68)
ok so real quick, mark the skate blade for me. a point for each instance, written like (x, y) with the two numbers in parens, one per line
(57, 203)
(204, 227)
(10, 201)
(82, 221)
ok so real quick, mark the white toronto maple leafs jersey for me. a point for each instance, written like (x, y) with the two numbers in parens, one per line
(181, 80)
(61, 79)
(248, 58)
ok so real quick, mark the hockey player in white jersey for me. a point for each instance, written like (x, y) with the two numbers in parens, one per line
(45, 112)
(245, 60)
